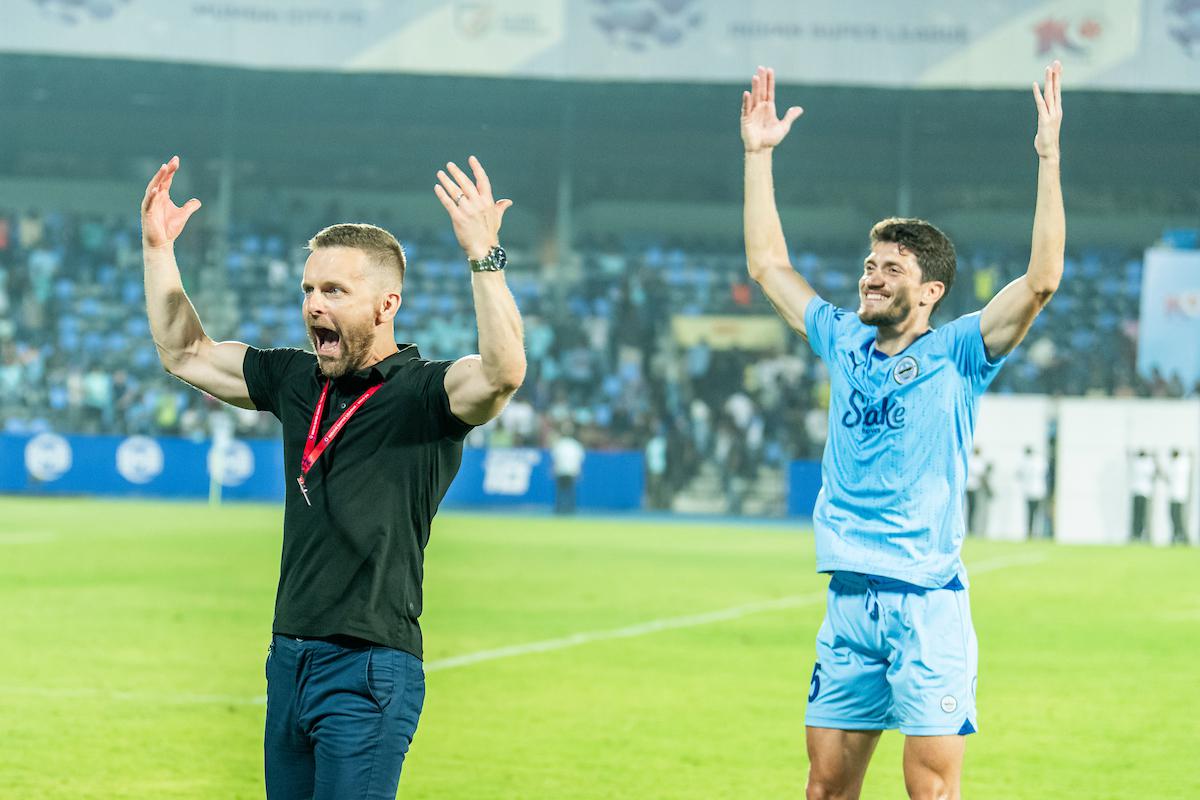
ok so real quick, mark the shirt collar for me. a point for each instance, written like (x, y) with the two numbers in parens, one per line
(875, 352)
(381, 371)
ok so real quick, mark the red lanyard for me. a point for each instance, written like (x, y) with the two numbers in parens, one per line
(313, 448)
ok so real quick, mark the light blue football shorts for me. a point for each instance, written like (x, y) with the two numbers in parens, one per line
(894, 655)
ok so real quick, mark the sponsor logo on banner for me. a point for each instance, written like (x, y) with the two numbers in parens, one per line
(72, 12)
(507, 471)
(639, 25)
(139, 459)
(230, 462)
(474, 18)
(1184, 304)
(48, 457)
(1184, 25)
(276, 13)
(1059, 36)
(907, 33)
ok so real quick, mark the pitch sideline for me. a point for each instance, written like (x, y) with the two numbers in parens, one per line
(512, 651)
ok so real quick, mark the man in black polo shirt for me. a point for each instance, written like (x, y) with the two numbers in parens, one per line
(372, 437)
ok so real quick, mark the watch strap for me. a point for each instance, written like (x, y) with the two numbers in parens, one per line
(494, 261)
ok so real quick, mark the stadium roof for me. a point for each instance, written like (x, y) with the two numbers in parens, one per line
(871, 149)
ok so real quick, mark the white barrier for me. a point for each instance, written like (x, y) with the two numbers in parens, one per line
(1006, 425)
(1096, 439)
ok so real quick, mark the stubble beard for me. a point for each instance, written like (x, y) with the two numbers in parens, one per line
(356, 350)
(893, 314)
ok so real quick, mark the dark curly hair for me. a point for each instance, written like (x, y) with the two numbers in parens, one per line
(934, 251)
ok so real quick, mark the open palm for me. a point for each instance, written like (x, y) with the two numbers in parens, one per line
(1049, 108)
(761, 128)
(474, 213)
(162, 220)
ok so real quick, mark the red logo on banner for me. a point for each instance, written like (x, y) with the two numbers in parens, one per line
(1184, 304)
(1054, 35)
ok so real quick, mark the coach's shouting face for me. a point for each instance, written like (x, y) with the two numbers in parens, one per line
(344, 304)
(352, 283)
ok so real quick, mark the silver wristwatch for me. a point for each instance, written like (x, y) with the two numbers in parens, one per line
(494, 261)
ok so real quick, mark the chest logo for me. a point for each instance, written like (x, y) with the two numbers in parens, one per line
(906, 370)
(887, 413)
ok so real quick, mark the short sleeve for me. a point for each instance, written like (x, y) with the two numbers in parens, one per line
(431, 384)
(821, 320)
(969, 352)
(264, 370)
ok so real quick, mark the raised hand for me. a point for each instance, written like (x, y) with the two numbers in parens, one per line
(761, 129)
(162, 220)
(1049, 108)
(475, 215)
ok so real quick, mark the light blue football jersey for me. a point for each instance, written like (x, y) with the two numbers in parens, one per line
(895, 463)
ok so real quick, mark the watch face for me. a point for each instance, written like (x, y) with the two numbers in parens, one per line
(499, 256)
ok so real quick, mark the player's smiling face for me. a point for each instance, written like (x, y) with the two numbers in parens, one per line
(339, 308)
(890, 286)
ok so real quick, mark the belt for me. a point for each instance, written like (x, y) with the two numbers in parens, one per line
(339, 639)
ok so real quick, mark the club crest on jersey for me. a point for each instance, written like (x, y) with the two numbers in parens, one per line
(887, 413)
(906, 369)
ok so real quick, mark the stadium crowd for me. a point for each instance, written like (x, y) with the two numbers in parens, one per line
(76, 353)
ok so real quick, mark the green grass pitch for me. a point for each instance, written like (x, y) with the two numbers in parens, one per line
(134, 636)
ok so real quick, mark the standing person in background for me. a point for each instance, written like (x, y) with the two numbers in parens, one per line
(1179, 484)
(372, 436)
(702, 433)
(734, 464)
(656, 471)
(979, 492)
(1143, 472)
(566, 458)
(1031, 474)
(897, 647)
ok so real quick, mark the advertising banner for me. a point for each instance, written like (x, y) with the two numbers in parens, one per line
(140, 466)
(1137, 45)
(1169, 324)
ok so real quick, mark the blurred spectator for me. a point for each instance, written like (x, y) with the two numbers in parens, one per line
(1143, 473)
(1032, 474)
(1179, 485)
(520, 422)
(979, 492)
(566, 458)
(657, 489)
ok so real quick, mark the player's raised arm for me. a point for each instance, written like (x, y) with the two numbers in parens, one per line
(1007, 318)
(183, 348)
(480, 385)
(766, 249)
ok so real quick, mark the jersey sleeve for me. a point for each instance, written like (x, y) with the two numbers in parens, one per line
(264, 370)
(969, 352)
(821, 323)
(431, 385)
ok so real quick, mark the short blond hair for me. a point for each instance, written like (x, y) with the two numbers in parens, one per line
(384, 249)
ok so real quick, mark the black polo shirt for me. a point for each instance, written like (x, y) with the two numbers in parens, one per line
(352, 562)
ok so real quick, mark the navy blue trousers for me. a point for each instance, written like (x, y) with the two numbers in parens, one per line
(339, 719)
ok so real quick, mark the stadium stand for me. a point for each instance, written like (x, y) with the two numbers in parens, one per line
(76, 353)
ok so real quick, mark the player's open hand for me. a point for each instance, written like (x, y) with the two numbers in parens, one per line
(475, 215)
(1049, 108)
(162, 220)
(761, 128)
